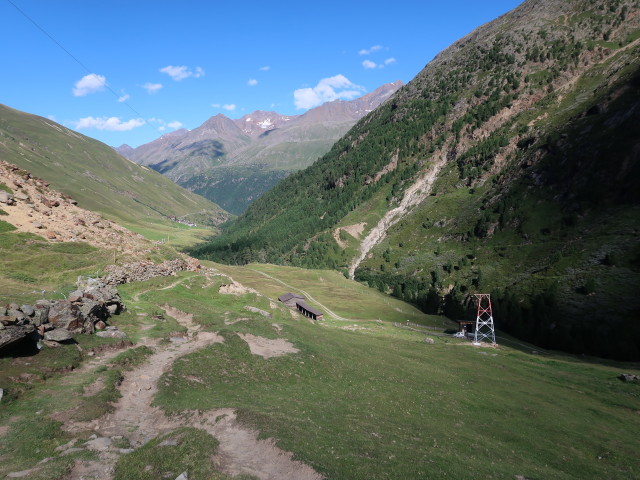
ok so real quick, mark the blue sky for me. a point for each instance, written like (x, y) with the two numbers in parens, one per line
(130, 71)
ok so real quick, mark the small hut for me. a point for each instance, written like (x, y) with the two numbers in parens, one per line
(466, 326)
(290, 299)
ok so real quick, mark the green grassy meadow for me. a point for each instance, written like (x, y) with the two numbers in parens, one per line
(362, 399)
(378, 402)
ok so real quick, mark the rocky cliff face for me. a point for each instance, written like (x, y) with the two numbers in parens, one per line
(529, 127)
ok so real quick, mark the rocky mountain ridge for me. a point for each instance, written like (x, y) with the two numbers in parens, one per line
(232, 162)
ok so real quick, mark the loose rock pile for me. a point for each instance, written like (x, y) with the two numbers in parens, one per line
(36, 208)
(84, 311)
(141, 271)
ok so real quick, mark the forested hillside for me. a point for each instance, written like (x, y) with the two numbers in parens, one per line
(508, 165)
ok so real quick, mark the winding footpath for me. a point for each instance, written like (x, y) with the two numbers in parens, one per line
(135, 418)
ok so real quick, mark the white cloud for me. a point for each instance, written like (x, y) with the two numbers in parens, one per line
(227, 106)
(177, 73)
(114, 124)
(161, 128)
(175, 125)
(52, 117)
(368, 64)
(337, 87)
(252, 82)
(266, 68)
(152, 87)
(124, 97)
(89, 84)
(367, 51)
(181, 72)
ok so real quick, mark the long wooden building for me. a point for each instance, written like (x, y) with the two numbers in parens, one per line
(293, 300)
(308, 311)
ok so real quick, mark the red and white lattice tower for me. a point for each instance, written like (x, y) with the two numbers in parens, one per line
(484, 319)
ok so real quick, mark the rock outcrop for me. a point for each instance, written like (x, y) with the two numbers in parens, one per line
(83, 311)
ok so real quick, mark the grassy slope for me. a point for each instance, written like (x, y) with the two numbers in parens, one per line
(379, 403)
(95, 175)
(30, 265)
(375, 402)
(551, 229)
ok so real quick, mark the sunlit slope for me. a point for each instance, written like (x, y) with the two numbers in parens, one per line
(95, 175)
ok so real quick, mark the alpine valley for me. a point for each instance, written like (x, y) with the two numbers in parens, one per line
(508, 165)
(233, 162)
(147, 333)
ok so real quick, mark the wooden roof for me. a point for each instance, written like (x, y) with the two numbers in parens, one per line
(309, 309)
(288, 296)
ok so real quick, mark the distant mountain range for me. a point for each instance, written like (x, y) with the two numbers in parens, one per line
(233, 162)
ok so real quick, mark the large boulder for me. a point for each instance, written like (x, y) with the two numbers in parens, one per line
(111, 334)
(58, 335)
(41, 314)
(6, 198)
(64, 314)
(92, 308)
(75, 296)
(18, 315)
(12, 334)
(8, 320)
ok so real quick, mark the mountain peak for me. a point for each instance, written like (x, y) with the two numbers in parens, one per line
(256, 123)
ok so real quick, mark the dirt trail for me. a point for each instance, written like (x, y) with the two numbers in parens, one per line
(413, 196)
(135, 418)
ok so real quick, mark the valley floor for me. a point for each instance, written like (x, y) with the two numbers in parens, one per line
(226, 382)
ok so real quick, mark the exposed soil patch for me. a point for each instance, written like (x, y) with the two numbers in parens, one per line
(354, 230)
(183, 318)
(136, 419)
(235, 288)
(266, 347)
(236, 320)
(95, 387)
